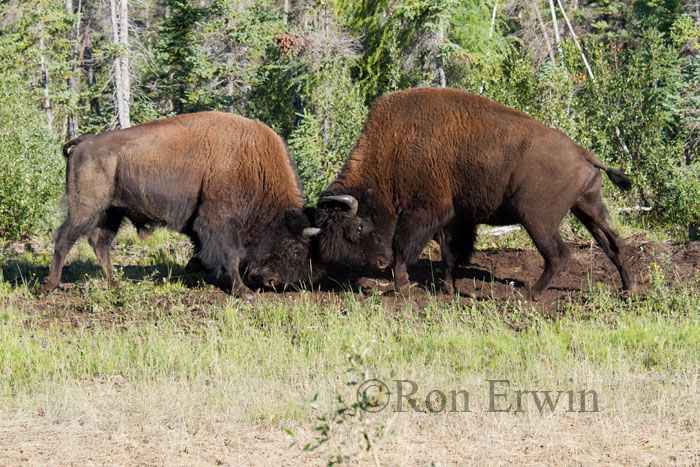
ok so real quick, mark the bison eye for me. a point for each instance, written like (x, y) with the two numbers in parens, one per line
(297, 252)
(359, 229)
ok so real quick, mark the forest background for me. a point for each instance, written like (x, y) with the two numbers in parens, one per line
(310, 69)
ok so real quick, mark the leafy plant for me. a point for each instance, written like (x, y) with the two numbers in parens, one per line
(353, 427)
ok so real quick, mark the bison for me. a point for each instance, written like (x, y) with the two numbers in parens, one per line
(435, 163)
(225, 181)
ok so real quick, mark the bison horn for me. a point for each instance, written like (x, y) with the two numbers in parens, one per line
(345, 199)
(310, 232)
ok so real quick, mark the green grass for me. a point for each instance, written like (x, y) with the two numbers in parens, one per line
(301, 337)
(191, 356)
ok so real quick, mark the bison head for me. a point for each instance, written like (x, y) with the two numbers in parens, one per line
(281, 256)
(355, 229)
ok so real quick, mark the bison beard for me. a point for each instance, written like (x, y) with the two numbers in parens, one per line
(435, 163)
(225, 181)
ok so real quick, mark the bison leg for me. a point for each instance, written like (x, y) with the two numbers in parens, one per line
(101, 241)
(66, 237)
(444, 238)
(589, 209)
(553, 249)
(410, 237)
(238, 288)
(195, 264)
(456, 245)
(219, 250)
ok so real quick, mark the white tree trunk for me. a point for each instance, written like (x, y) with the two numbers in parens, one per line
(557, 38)
(573, 34)
(120, 37)
(46, 104)
(72, 124)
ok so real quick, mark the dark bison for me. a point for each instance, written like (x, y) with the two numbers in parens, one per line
(435, 163)
(225, 181)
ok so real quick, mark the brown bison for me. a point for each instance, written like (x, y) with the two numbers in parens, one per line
(225, 181)
(435, 163)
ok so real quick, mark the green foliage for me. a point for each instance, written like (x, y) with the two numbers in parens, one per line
(635, 102)
(31, 171)
(272, 96)
(209, 55)
(328, 129)
(683, 188)
(640, 112)
(179, 54)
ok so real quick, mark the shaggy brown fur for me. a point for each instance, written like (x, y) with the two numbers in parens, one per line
(438, 162)
(224, 180)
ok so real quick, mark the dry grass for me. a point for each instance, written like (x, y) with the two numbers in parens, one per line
(158, 373)
(169, 424)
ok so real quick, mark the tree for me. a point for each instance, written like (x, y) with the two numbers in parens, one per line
(72, 123)
(120, 37)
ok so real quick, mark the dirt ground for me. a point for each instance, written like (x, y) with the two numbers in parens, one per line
(492, 274)
(508, 274)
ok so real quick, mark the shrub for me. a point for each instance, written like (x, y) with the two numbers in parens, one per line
(31, 169)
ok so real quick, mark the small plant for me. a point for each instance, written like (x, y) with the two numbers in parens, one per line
(354, 426)
(657, 277)
(659, 280)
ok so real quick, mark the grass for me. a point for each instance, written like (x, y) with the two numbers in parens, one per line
(157, 371)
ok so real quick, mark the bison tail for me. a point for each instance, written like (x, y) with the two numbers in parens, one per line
(70, 144)
(615, 175)
(618, 178)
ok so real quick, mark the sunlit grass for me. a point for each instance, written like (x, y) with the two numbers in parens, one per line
(189, 355)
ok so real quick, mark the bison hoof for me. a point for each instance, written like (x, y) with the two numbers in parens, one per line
(535, 296)
(241, 291)
(46, 287)
(630, 292)
(194, 265)
(402, 284)
(403, 288)
(447, 289)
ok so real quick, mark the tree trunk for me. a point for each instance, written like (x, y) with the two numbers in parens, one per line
(120, 37)
(440, 65)
(557, 38)
(46, 103)
(89, 64)
(543, 27)
(72, 124)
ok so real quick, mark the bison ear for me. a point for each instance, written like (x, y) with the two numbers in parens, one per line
(369, 196)
(296, 220)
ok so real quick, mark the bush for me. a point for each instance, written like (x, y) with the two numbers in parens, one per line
(328, 129)
(31, 169)
(684, 195)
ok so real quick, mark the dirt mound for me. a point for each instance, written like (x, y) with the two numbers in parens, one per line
(505, 274)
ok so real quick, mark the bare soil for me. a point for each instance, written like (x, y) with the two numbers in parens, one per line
(507, 274)
(502, 275)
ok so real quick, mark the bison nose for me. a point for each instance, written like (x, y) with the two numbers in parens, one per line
(381, 263)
